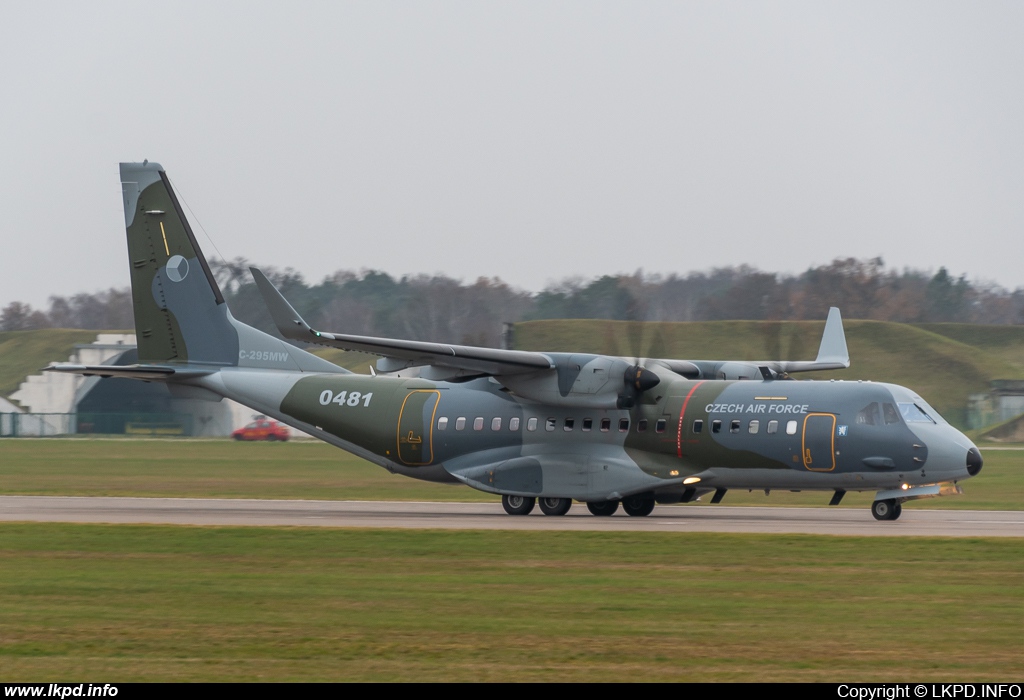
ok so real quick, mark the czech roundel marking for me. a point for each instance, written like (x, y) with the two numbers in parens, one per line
(177, 268)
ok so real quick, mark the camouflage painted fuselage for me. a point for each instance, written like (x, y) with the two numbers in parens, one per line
(728, 434)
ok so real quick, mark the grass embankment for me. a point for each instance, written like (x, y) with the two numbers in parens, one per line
(143, 603)
(312, 470)
(945, 363)
(26, 352)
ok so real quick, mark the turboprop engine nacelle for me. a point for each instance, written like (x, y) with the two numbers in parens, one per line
(586, 381)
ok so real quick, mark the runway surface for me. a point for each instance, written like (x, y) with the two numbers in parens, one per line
(490, 516)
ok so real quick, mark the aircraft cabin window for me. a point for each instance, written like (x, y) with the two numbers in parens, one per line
(460, 423)
(641, 425)
(442, 423)
(588, 423)
(716, 426)
(513, 424)
(569, 424)
(659, 427)
(623, 425)
(698, 426)
(869, 415)
(791, 427)
(478, 423)
(496, 424)
(606, 425)
(550, 424)
(531, 424)
(734, 426)
(891, 416)
(773, 427)
(754, 426)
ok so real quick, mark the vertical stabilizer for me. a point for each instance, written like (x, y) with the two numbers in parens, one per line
(180, 314)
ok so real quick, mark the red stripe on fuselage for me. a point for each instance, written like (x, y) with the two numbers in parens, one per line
(679, 432)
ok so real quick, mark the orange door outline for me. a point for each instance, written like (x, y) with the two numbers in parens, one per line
(409, 442)
(805, 451)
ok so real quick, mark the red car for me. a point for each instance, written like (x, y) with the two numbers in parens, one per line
(262, 429)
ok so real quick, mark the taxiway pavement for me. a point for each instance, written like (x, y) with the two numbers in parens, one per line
(490, 516)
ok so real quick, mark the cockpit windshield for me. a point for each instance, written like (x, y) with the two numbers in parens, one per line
(912, 413)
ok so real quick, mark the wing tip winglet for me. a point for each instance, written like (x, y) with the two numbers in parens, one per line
(833, 348)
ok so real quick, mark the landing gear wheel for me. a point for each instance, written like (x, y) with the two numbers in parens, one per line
(638, 506)
(602, 508)
(555, 506)
(886, 510)
(518, 505)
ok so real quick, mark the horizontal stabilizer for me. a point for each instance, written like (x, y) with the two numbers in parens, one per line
(413, 352)
(145, 372)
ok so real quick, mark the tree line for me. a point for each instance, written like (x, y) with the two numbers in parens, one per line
(440, 308)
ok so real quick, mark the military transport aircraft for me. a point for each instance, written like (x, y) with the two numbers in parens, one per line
(529, 426)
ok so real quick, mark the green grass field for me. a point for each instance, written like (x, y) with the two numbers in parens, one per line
(144, 603)
(314, 470)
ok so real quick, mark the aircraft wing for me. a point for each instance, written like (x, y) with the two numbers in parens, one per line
(832, 354)
(145, 372)
(407, 352)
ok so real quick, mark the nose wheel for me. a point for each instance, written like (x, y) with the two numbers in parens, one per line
(889, 509)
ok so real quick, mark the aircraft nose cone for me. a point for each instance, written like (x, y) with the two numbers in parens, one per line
(974, 461)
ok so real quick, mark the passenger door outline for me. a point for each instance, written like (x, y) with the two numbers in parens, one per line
(815, 442)
(415, 435)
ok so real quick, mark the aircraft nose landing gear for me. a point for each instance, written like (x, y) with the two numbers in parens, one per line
(889, 509)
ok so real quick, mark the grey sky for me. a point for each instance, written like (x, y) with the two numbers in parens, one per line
(530, 141)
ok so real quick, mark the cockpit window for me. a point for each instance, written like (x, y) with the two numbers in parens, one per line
(912, 413)
(869, 415)
(932, 413)
(892, 417)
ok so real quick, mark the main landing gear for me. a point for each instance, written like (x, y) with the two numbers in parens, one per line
(637, 506)
(518, 505)
(555, 506)
(602, 508)
(889, 509)
(523, 505)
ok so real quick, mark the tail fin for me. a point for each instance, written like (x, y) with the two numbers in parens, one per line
(180, 314)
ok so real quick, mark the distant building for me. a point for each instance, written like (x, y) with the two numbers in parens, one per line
(1004, 400)
(116, 405)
